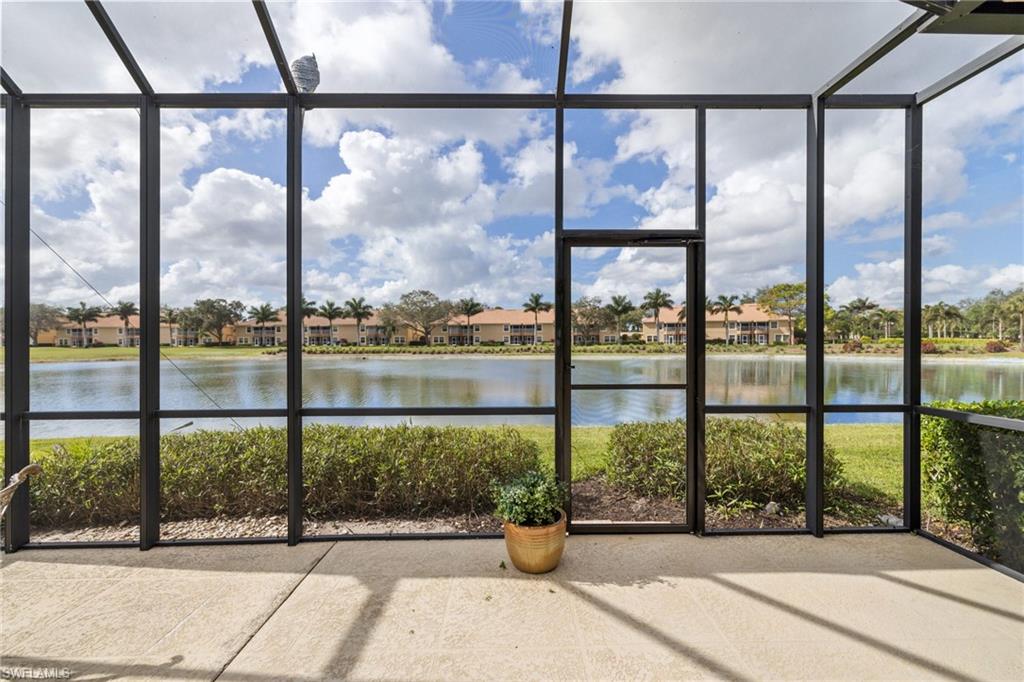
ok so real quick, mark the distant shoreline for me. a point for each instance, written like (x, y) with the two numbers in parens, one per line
(50, 354)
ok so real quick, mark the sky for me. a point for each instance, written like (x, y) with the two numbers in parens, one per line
(461, 202)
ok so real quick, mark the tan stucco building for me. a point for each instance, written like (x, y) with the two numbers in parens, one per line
(749, 326)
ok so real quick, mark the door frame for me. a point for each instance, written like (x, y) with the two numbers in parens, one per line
(693, 243)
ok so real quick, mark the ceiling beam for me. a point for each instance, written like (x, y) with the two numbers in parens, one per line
(563, 52)
(887, 44)
(971, 69)
(8, 83)
(275, 46)
(120, 47)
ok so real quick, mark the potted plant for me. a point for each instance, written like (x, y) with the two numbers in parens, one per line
(530, 508)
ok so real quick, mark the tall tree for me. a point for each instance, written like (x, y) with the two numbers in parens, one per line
(125, 310)
(83, 315)
(470, 307)
(216, 314)
(589, 317)
(42, 317)
(725, 304)
(422, 310)
(388, 321)
(331, 312)
(888, 319)
(536, 304)
(655, 301)
(359, 310)
(785, 300)
(171, 317)
(261, 315)
(619, 308)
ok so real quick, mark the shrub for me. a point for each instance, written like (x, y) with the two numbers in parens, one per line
(750, 462)
(853, 346)
(973, 475)
(531, 499)
(995, 347)
(929, 348)
(401, 470)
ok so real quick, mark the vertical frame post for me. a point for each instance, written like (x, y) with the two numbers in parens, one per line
(563, 323)
(149, 321)
(815, 317)
(695, 325)
(16, 336)
(912, 318)
(295, 321)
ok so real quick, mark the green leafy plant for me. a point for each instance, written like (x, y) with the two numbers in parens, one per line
(973, 475)
(750, 462)
(356, 471)
(532, 499)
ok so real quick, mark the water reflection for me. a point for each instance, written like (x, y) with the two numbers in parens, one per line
(460, 381)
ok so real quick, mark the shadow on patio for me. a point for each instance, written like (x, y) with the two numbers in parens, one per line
(744, 608)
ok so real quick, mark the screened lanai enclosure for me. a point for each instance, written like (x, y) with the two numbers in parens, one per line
(286, 272)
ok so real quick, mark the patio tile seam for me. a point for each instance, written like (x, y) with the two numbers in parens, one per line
(248, 640)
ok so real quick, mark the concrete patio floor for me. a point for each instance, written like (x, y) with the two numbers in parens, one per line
(620, 607)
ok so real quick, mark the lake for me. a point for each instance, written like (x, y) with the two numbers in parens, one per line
(501, 381)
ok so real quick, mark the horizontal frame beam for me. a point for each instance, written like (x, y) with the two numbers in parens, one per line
(971, 69)
(628, 387)
(867, 408)
(228, 100)
(425, 411)
(973, 418)
(631, 237)
(757, 409)
(82, 415)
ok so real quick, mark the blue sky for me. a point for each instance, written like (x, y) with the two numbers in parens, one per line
(462, 202)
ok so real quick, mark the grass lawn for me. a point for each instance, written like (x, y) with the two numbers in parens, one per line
(56, 354)
(872, 457)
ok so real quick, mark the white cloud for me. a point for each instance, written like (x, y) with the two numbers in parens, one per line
(882, 282)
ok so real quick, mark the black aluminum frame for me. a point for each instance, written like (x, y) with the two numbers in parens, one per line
(17, 414)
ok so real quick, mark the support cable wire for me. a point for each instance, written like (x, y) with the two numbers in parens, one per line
(111, 305)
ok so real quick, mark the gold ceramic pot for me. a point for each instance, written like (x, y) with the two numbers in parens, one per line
(536, 549)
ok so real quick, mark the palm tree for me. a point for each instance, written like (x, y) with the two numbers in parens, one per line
(726, 304)
(307, 308)
(888, 319)
(1015, 306)
(470, 307)
(656, 300)
(930, 317)
(171, 317)
(331, 312)
(536, 304)
(82, 315)
(359, 310)
(261, 315)
(858, 309)
(125, 310)
(619, 308)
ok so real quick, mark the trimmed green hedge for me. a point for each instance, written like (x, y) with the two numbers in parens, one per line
(750, 462)
(397, 470)
(974, 476)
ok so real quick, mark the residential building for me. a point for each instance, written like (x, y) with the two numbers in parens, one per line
(751, 325)
(108, 330)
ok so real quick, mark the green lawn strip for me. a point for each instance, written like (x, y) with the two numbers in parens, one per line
(58, 354)
(872, 457)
